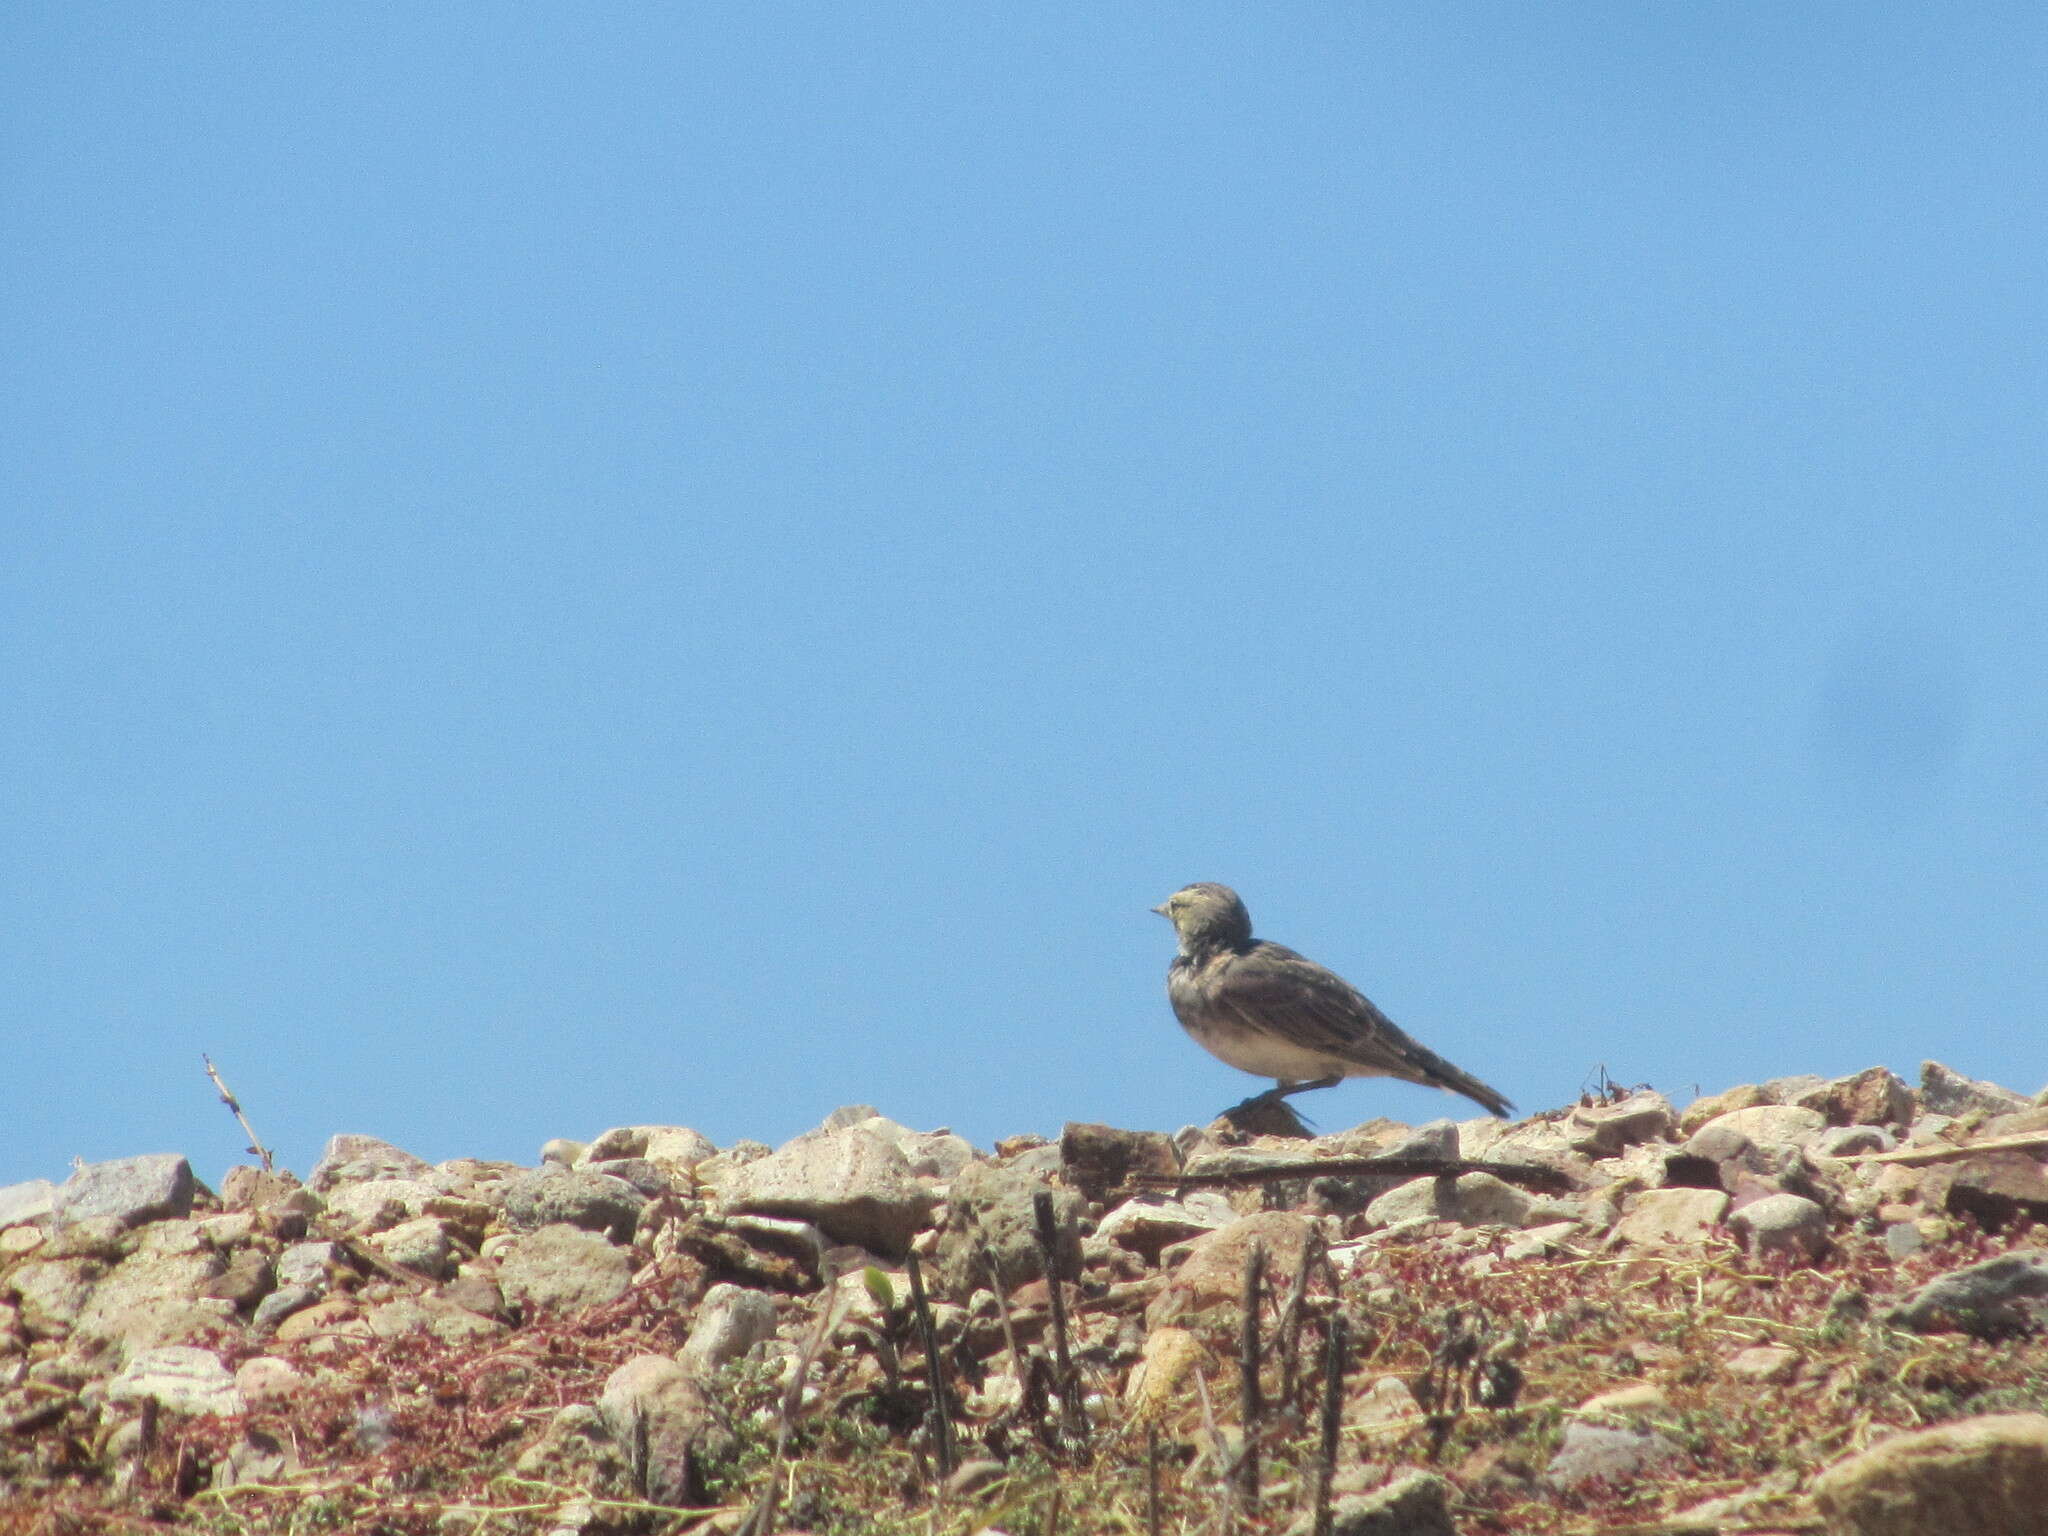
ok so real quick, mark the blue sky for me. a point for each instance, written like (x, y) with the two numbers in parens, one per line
(567, 567)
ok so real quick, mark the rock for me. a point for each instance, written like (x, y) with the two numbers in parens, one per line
(936, 1154)
(1992, 1188)
(335, 1319)
(180, 1378)
(1470, 1199)
(1854, 1141)
(656, 1410)
(1944, 1092)
(1785, 1090)
(1146, 1224)
(1601, 1130)
(131, 1190)
(246, 1280)
(562, 1269)
(577, 1451)
(1874, 1096)
(23, 1203)
(855, 1186)
(1387, 1401)
(1167, 1358)
(1095, 1159)
(992, 1204)
(1984, 1476)
(1214, 1268)
(310, 1264)
(1659, 1218)
(357, 1159)
(563, 1152)
(421, 1245)
(668, 1146)
(52, 1293)
(1999, 1298)
(1539, 1242)
(1613, 1454)
(251, 1189)
(1785, 1225)
(1414, 1504)
(1715, 1105)
(433, 1315)
(374, 1205)
(730, 1321)
(648, 1178)
(847, 1115)
(1765, 1363)
(552, 1195)
(1762, 1125)
(281, 1304)
(1642, 1398)
(267, 1382)
(149, 1299)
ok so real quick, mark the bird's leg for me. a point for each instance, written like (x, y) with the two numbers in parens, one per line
(1280, 1093)
(1288, 1090)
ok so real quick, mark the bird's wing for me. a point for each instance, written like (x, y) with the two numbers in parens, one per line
(1271, 986)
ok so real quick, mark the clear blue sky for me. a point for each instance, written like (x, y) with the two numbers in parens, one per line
(573, 566)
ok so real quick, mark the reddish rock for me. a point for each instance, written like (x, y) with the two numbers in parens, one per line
(1993, 1188)
(1214, 1268)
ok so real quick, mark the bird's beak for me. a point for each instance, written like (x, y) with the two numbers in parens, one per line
(1160, 909)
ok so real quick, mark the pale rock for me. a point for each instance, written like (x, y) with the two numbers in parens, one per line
(1671, 1217)
(131, 1190)
(1213, 1270)
(1386, 1401)
(561, 1152)
(1146, 1223)
(1715, 1105)
(577, 1450)
(51, 1293)
(1601, 1130)
(179, 1378)
(730, 1321)
(23, 1203)
(852, 1184)
(596, 1202)
(1166, 1359)
(656, 1409)
(1539, 1242)
(310, 1264)
(267, 1382)
(1984, 1476)
(376, 1204)
(1470, 1199)
(443, 1319)
(1761, 1125)
(1765, 1363)
(334, 1319)
(1612, 1454)
(562, 1268)
(1854, 1141)
(351, 1159)
(1638, 1398)
(1789, 1226)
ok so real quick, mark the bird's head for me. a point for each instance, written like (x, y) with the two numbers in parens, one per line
(1206, 916)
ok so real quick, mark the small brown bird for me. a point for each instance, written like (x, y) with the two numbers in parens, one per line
(1268, 1011)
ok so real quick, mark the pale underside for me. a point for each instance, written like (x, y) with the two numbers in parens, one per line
(1264, 1054)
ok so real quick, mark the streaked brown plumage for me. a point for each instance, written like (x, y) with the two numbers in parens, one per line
(1268, 1011)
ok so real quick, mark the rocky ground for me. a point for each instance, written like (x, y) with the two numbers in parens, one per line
(1800, 1306)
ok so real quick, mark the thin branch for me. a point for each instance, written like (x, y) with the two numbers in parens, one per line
(1534, 1175)
(235, 1105)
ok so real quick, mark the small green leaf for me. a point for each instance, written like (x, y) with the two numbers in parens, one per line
(879, 1287)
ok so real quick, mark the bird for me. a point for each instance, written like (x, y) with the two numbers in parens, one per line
(1273, 1013)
